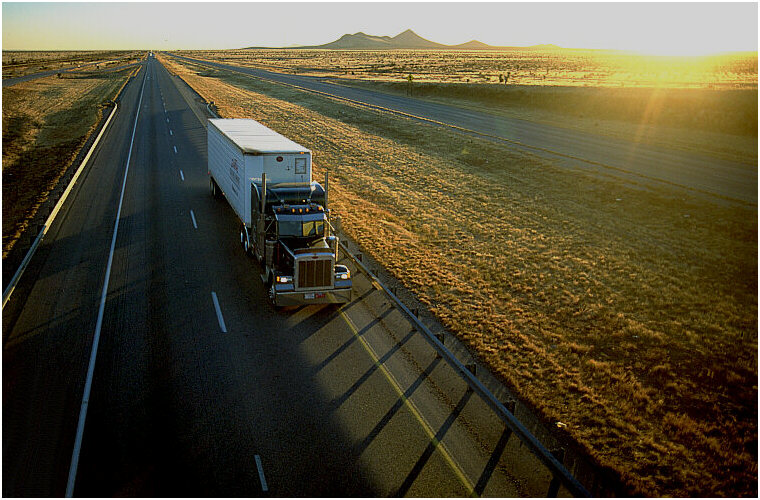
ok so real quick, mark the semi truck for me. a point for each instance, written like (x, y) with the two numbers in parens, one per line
(284, 214)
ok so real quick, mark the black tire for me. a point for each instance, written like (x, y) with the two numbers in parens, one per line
(271, 295)
(271, 292)
(214, 188)
(244, 242)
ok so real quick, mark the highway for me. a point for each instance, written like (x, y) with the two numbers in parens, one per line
(635, 162)
(198, 387)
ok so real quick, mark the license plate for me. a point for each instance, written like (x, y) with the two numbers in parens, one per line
(308, 296)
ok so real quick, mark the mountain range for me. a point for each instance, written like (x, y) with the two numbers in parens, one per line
(408, 40)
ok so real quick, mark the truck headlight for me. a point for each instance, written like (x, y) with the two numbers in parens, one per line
(342, 273)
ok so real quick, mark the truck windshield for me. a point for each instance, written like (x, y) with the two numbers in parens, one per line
(302, 228)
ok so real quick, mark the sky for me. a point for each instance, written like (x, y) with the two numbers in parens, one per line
(678, 28)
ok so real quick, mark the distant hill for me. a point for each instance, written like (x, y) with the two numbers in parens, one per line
(407, 40)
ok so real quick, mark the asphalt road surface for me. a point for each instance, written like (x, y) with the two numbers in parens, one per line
(628, 159)
(201, 388)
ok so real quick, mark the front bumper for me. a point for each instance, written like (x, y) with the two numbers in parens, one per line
(293, 298)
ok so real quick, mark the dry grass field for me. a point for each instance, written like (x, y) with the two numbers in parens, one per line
(565, 67)
(626, 311)
(45, 123)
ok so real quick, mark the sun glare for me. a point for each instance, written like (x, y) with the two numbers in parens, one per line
(676, 52)
(681, 50)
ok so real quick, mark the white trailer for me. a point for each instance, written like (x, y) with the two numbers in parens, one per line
(266, 178)
(240, 150)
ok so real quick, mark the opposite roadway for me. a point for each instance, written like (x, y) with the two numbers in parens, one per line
(200, 387)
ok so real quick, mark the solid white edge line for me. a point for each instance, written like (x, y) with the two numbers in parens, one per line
(192, 216)
(264, 486)
(218, 312)
(99, 323)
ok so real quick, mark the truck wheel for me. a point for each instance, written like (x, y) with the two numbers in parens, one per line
(244, 242)
(271, 294)
(214, 190)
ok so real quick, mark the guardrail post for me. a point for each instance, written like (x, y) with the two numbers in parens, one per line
(441, 338)
(510, 405)
(559, 454)
(472, 368)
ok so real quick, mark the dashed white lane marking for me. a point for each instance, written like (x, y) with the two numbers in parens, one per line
(264, 486)
(192, 216)
(219, 317)
(170, 132)
(175, 150)
(182, 175)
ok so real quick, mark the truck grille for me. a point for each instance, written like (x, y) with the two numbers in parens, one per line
(314, 273)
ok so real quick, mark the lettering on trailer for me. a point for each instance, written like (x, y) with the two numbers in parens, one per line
(235, 176)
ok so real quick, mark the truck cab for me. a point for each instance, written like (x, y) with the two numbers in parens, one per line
(294, 245)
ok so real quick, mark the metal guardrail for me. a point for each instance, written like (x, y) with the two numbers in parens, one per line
(558, 470)
(211, 111)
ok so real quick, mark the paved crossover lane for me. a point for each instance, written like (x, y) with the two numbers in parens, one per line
(627, 158)
(200, 388)
(8, 82)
